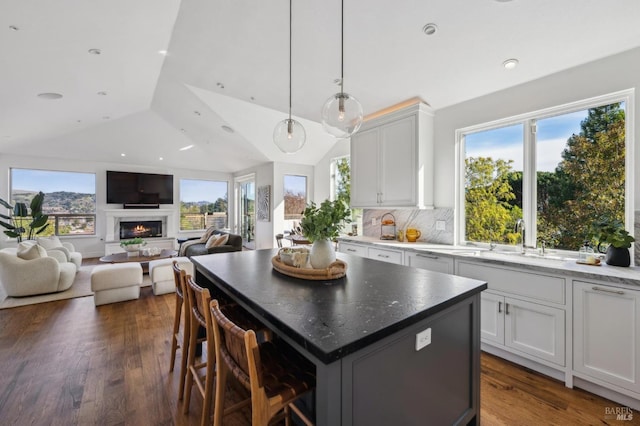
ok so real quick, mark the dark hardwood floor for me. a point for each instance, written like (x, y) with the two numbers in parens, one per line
(70, 363)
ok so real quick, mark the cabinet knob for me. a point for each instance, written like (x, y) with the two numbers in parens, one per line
(506, 308)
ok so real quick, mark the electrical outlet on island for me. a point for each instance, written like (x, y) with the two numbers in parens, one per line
(374, 221)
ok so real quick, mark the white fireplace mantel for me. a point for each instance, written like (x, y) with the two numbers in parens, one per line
(114, 216)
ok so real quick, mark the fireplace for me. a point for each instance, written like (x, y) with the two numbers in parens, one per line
(140, 228)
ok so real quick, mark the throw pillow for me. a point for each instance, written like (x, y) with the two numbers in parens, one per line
(221, 240)
(49, 242)
(207, 235)
(217, 240)
(31, 252)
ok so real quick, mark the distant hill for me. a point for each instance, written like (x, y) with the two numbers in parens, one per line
(60, 201)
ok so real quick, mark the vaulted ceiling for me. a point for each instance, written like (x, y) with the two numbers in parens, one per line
(214, 74)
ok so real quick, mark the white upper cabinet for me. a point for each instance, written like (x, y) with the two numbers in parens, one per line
(392, 160)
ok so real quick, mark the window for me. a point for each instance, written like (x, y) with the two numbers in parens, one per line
(203, 203)
(295, 196)
(69, 201)
(560, 171)
(341, 179)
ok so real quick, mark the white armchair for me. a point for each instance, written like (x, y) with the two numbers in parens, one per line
(39, 275)
(53, 243)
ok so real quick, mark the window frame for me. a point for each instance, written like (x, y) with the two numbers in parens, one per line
(180, 180)
(529, 181)
(55, 217)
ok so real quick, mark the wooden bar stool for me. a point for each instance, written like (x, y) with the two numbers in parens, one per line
(274, 373)
(198, 302)
(177, 341)
(199, 299)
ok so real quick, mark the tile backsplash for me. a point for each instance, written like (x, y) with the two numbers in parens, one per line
(425, 221)
(636, 235)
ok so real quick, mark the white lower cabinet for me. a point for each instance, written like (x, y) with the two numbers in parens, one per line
(429, 262)
(527, 327)
(606, 333)
(386, 255)
(351, 248)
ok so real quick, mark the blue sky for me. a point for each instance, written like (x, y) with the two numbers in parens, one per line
(295, 184)
(48, 181)
(506, 142)
(192, 190)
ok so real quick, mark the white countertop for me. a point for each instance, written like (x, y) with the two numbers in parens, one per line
(561, 266)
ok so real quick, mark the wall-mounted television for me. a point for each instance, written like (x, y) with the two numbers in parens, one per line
(139, 188)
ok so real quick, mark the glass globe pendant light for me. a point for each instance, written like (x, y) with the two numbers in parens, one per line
(289, 135)
(342, 113)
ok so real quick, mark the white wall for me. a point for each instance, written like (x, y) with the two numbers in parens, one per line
(93, 246)
(612, 74)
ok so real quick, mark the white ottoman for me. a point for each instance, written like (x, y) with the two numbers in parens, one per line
(161, 273)
(116, 282)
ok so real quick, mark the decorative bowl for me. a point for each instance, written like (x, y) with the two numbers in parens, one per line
(297, 256)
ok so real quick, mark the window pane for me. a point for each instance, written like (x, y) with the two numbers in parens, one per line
(69, 201)
(580, 170)
(203, 203)
(295, 196)
(493, 184)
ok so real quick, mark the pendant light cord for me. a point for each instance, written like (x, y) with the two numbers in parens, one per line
(342, 46)
(290, 25)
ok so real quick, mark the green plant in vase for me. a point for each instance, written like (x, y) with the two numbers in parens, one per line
(612, 238)
(320, 225)
(22, 220)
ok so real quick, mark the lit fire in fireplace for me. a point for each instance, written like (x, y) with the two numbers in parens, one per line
(140, 230)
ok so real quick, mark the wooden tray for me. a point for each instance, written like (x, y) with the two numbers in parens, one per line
(337, 269)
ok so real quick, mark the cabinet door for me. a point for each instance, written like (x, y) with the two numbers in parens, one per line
(492, 317)
(607, 333)
(398, 163)
(534, 329)
(351, 248)
(430, 262)
(364, 168)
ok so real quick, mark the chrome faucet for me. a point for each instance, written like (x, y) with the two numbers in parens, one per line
(519, 229)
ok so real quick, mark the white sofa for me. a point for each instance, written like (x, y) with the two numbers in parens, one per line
(54, 243)
(42, 273)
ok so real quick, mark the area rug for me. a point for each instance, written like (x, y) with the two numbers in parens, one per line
(81, 288)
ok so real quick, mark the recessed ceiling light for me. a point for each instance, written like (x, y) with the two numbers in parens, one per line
(253, 99)
(162, 52)
(123, 155)
(102, 93)
(14, 28)
(430, 29)
(185, 148)
(337, 81)
(49, 95)
(197, 112)
(106, 117)
(95, 51)
(220, 85)
(227, 129)
(510, 63)
(161, 158)
(183, 130)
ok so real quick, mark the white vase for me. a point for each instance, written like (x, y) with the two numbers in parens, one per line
(322, 254)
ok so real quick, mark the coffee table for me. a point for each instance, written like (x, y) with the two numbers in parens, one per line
(143, 260)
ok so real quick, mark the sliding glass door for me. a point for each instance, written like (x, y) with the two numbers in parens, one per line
(246, 209)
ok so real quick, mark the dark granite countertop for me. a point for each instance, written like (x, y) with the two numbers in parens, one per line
(334, 318)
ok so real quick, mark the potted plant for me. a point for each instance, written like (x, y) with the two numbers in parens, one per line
(613, 239)
(320, 225)
(132, 246)
(16, 225)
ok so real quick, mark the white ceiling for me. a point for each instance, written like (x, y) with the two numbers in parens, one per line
(156, 104)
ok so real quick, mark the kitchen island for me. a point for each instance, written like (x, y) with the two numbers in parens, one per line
(362, 333)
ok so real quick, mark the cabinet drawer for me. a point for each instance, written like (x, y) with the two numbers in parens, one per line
(430, 262)
(385, 255)
(534, 286)
(356, 249)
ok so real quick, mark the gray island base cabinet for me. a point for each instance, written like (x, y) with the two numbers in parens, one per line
(391, 344)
